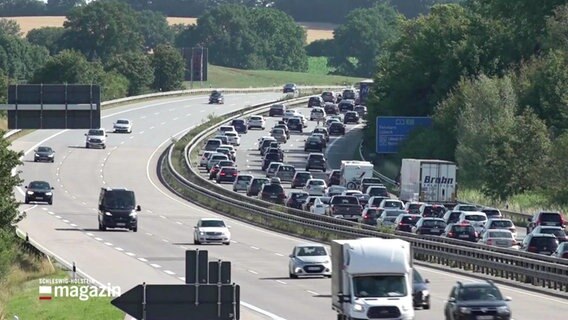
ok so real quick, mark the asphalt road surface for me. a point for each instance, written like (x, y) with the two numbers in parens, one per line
(155, 254)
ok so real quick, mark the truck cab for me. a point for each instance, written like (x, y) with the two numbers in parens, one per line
(372, 279)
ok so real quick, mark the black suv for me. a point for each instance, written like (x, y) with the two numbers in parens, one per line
(461, 231)
(295, 124)
(420, 292)
(346, 105)
(240, 125)
(278, 151)
(330, 108)
(351, 117)
(336, 129)
(430, 226)
(315, 101)
(333, 179)
(540, 243)
(316, 161)
(216, 97)
(477, 300)
(276, 110)
(296, 199)
(300, 179)
(545, 219)
(39, 191)
(273, 193)
(290, 88)
(313, 144)
(118, 209)
(269, 158)
(44, 153)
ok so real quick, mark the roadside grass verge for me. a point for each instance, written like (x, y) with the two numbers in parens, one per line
(318, 65)
(223, 77)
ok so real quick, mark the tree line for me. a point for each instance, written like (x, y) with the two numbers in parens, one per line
(492, 74)
(329, 11)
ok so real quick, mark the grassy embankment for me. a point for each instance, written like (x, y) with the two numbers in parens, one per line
(20, 292)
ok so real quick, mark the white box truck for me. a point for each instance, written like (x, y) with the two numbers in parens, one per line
(352, 171)
(428, 180)
(372, 279)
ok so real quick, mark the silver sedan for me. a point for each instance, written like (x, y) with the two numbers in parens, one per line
(309, 260)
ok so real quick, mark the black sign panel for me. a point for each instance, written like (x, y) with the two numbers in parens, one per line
(196, 266)
(196, 60)
(220, 272)
(53, 106)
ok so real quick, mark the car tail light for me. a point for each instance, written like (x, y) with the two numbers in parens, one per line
(450, 234)
(489, 242)
(282, 195)
(565, 255)
(476, 234)
(222, 173)
(532, 249)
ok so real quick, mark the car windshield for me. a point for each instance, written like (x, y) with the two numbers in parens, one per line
(96, 132)
(379, 286)
(286, 168)
(475, 217)
(256, 118)
(316, 156)
(257, 182)
(244, 178)
(122, 121)
(44, 149)
(468, 208)
(277, 107)
(392, 204)
(314, 251)
(317, 183)
(39, 185)
(550, 217)
(393, 213)
(225, 163)
(481, 293)
(432, 223)
(500, 234)
(213, 223)
(416, 277)
(273, 188)
(313, 139)
(299, 196)
(119, 199)
(501, 224)
(558, 232)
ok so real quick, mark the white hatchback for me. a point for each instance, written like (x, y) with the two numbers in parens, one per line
(256, 122)
(315, 187)
(233, 138)
(242, 182)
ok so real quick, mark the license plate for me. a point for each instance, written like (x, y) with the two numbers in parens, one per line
(120, 224)
(39, 198)
(546, 252)
(549, 223)
(313, 268)
(436, 230)
(273, 197)
(502, 243)
(463, 236)
(484, 318)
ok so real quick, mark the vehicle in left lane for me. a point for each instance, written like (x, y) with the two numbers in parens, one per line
(122, 125)
(44, 153)
(309, 260)
(39, 191)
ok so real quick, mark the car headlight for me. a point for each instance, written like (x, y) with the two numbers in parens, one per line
(503, 310)
(465, 310)
(326, 262)
(50, 155)
(201, 233)
(425, 292)
(133, 214)
(37, 155)
(30, 192)
(108, 214)
(358, 307)
(49, 193)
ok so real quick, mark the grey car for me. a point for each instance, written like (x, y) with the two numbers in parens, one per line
(309, 260)
(44, 153)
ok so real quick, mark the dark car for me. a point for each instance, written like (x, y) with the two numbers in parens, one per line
(255, 185)
(313, 144)
(300, 179)
(545, 219)
(39, 191)
(315, 101)
(217, 167)
(330, 108)
(336, 129)
(276, 110)
(240, 125)
(328, 96)
(432, 210)
(43, 153)
(558, 232)
(363, 198)
(295, 124)
(290, 88)
(278, 151)
(430, 226)
(118, 209)
(461, 231)
(540, 243)
(349, 94)
(333, 179)
(452, 216)
(351, 117)
(216, 97)
(316, 161)
(269, 158)
(420, 292)
(296, 198)
(369, 216)
(273, 193)
(361, 110)
(405, 222)
(477, 300)
(561, 251)
(227, 174)
(492, 213)
(346, 105)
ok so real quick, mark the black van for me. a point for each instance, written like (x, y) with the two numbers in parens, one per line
(118, 209)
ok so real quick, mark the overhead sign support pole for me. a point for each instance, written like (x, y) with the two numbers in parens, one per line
(41, 107)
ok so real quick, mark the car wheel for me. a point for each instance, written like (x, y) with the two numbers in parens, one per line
(52, 160)
(35, 160)
(293, 276)
(135, 229)
(50, 202)
(27, 201)
(86, 145)
(217, 180)
(427, 306)
(293, 187)
(196, 241)
(104, 146)
(227, 243)
(103, 227)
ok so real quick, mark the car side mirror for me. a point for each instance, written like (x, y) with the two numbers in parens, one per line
(26, 187)
(426, 281)
(85, 134)
(508, 299)
(452, 299)
(138, 208)
(101, 208)
(52, 188)
(343, 298)
(106, 135)
(529, 219)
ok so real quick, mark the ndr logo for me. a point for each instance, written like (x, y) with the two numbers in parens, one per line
(438, 180)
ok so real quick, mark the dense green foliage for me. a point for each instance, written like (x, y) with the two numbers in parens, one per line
(168, 68)
(492, 74)
(248, 38)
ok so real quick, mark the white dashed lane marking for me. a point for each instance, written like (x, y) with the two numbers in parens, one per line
(252, 271)
(142, 259)
(280, 281)
(155, 265)
(169, 272)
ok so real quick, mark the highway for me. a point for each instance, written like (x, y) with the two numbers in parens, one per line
(155, 253)
(343, 148)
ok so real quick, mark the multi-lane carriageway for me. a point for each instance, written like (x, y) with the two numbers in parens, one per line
(68, 228)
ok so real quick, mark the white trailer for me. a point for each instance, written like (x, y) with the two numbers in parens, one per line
(353, 171)
(428, 180)
(372, 278)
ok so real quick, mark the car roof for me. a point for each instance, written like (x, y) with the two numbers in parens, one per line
(211, 219)
(308, 245)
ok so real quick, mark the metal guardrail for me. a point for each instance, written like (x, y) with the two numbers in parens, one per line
(538, 270)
